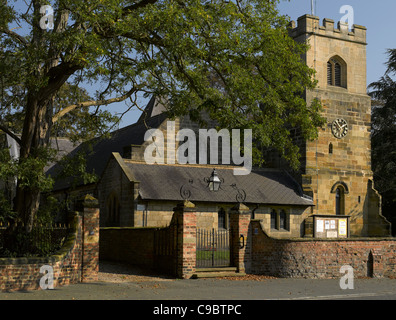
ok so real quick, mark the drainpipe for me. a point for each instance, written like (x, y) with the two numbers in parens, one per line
(254, 210)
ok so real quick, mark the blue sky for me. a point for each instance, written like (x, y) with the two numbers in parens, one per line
(377, 16)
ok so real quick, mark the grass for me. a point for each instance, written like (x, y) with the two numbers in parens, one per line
(208, 254)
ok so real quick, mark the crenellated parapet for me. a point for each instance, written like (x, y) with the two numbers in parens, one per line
(309, 24)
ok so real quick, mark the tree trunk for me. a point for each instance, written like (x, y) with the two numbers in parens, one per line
(27, 203)
(39, 109)
(35, 135)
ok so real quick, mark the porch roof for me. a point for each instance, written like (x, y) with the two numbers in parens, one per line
(261, 186)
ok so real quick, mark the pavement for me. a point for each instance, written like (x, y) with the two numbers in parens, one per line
(228, 298)
(215, 289)
(156, 296)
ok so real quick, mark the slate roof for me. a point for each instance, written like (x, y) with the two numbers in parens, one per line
(63, 146)
(99, 150)
(261, 186)
(164, 182)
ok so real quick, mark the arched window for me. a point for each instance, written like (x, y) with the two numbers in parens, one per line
(113, 210)
(336, 73)
(339, 189)
(329, 73)
(340, 201)
(330, 148)
(221, 219)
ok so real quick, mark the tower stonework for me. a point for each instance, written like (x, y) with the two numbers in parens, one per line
(336, 168)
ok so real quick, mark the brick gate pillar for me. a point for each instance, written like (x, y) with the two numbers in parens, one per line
(90, 239)
(186, 239)
(240, 237)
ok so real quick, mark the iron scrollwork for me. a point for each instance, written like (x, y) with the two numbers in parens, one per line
(241, 194)
(185, 192)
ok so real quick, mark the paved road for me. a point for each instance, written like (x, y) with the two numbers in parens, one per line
(207, 298)
(216, 289)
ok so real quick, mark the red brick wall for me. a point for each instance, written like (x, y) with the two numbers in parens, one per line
(136, 246)
(314, 258)
(130, 245)
(186, 241)
(240, 238)
(24, 273)
(76, 261)
(90, 243)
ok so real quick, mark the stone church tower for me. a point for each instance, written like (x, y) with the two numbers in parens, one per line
(336, 168)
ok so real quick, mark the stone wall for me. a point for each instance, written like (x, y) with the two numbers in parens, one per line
(332, 39)
(159, 214)
(295, 220)
(331, 161)
(115, 182)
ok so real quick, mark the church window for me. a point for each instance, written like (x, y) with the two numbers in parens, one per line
(330, 148)
(329, 73)
(279, 220)
(340, 201)
(113, 210)
(221, 219)
(336, 73)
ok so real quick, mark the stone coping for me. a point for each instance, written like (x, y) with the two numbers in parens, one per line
(132, 228)
(312, 239)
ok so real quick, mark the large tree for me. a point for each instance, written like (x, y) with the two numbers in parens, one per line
(384, 136)
(169, 48)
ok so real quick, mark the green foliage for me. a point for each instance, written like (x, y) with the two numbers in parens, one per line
(29, 171)
(42, 241)
(231, 59)
(384, 136)
(6, 212)
(73, 168)
(234, 60)
(80, 124)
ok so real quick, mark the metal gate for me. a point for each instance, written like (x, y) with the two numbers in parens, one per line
(165, 248)
(213, 248)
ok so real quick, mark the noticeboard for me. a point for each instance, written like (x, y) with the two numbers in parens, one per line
(331, 226)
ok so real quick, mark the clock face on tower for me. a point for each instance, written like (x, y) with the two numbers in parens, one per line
(339, 128)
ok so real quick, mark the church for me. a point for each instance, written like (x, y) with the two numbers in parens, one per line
(332, 196)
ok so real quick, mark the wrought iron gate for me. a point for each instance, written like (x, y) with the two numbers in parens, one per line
(213, 248)
(165, 248)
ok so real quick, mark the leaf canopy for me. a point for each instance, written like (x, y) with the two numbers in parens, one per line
(231, 59)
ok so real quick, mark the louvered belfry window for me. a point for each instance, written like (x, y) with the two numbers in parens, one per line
(337, 74)
(329, 73)
(334, 73)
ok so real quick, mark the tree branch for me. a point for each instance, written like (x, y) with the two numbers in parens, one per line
(10, 133)
(91, 103)
(14, 35)
(137, 5)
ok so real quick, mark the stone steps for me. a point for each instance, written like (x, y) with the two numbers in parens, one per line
(216, 273)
